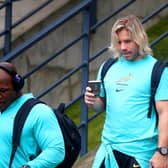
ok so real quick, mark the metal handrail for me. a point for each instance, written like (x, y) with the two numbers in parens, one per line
(71, 43)
(2, 6)
(36, 68)
(76, 69)
(154, 13)
(27, 44)
(101, 22)
(27, 16)
(157, 40)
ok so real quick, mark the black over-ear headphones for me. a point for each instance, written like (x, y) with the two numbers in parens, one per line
(17, 80)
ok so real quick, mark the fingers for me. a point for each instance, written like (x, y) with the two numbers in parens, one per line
(89, 97)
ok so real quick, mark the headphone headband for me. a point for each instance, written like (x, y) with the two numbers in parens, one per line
(8, 70)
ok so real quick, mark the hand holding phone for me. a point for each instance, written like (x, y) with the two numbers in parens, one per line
(95, 86)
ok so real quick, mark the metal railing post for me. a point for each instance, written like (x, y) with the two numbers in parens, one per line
(93, 12)
(85, 77)
(8, 24)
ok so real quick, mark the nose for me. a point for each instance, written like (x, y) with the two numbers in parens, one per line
(123, 46)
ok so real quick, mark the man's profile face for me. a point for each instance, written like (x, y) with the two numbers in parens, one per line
(7, 92)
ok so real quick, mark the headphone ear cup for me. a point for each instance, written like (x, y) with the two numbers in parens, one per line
(18, 82)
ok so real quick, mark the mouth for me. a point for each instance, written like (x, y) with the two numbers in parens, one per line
(126, 53)
(127, 56)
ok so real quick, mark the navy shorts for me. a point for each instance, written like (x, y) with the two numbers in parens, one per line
(124, 161)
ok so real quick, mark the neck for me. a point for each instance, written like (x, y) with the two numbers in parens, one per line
(18, 94)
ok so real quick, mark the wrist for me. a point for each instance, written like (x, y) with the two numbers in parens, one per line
(163, 151)
(98, 107)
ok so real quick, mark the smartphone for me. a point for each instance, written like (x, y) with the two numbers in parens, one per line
(95, 86)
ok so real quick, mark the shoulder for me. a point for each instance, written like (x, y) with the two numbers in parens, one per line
(37, 110)
(42, 109)
(42, 115)
(162, 66)
(162, 90)
(106, 65)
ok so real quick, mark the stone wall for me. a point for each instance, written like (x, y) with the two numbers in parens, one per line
(22, 8)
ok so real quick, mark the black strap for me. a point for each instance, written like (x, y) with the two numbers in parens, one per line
(155, 79)
(19, 121)
(106, 66)
(104, 70)
(61, 108)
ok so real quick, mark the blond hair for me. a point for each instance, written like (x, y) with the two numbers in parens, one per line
(136, 31)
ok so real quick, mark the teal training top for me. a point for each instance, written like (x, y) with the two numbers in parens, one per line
(127, 128)
(41, 131)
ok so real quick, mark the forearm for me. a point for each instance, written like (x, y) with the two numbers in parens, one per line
(163, 129)
(48, 158)
(48, 136)
(159, 159)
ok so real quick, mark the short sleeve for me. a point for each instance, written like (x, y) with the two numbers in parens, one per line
(162, 91)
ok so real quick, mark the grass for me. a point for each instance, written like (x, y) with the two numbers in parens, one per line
(95, 126)
(160, 50)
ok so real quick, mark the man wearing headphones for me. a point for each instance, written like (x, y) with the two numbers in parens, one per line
(40, 132)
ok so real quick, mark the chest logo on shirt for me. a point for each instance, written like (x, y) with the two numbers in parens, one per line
(122, 82)
(125, 79)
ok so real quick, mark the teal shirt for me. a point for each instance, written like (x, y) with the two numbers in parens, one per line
(41, 131)
(126, 126)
